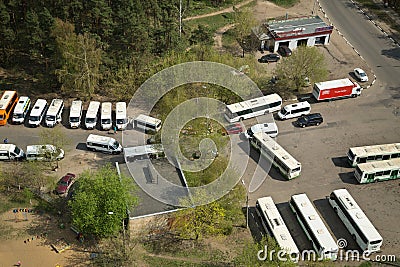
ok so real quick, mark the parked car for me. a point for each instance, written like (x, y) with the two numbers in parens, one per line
(310, 119)
(65, 183)
(269, 58)
(284, 51)
(361, 75)
(232, 129)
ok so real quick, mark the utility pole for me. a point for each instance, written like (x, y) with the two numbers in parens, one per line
(247, 205)
(180, 18)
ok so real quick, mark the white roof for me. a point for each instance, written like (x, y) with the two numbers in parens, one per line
(7, 147)
(277, 225)
(100, 139)
(37, 109)
(252, 103)
(382, 165)
(93, 108)
(106, 109)
(298, 105)
(19, 107)
(264, 127)
(76, 108)
(120, 110)
(143, 150)
(357, 215)
(33, 149)
(148, 119)
(5, 99)
(334, 84)
(55, 106)
(365, 151)
(268, 143)
(315, 222)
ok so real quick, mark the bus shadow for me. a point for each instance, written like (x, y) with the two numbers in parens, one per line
(81, 146)
(348, 178)
(335, 225)
(255, 226)
(341, 162)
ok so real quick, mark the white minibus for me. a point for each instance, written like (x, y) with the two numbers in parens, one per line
(75, 114)
(44, 153)
(37, 113)
(21, 110)
(269, 128)
(121, 120)
(294, 110)
(54, 113)
(91, 115)
(106, 120)
(11, 152)
(103, 143)
(147, 123)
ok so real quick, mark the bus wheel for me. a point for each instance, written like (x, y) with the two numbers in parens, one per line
(240, 119)
(353, 96)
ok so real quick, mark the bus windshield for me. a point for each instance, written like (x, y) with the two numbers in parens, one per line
(106, 121)
(121, 121)
(18, 116)
(1, 117)
(50, 118)
(74, 119)
(90, 120)
(17, 150)
(34, 118)
(115, 145)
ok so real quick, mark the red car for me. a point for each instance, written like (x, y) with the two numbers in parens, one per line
(65, 183)
(232, 129)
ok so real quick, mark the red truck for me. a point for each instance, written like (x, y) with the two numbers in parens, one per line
(335, 89)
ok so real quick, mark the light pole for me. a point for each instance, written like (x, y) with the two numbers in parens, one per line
(247, 205)
(243, 44)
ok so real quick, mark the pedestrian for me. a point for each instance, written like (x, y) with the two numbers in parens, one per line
(18, 263)
(5, 140)
(115, 129)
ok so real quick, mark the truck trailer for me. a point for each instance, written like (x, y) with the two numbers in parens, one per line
(336, 89)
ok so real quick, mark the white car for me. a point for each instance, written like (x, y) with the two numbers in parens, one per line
(361, 75)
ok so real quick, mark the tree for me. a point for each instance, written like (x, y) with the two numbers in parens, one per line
(101, 200)
(55, 136)
(244, 22)
(305, 62)
(201, 35)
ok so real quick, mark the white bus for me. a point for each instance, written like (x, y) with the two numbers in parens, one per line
(37, 113)
(272, 151)
(294, 110)
(378, 171)
(75, 114)
(103, 143)
(313, 226)
(92, 114)
(363, 154)
(121, 120)
(54, 113)
(253, 108)
(21, 110)
(44, 153)
(356, 222)
(269, 128)
(147, 123)
(106, 119)
(273, 223)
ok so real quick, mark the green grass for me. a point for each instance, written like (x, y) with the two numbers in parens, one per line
(213, 22)
(380, 13)
(202, 7)
(161, 261)
(285, 3)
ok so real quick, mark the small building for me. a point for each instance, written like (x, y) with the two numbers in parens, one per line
(292, 33)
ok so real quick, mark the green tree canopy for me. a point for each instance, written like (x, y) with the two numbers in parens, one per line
(101, 200)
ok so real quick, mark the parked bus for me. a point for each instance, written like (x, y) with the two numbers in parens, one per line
(272, 151)
(21, 110)
(106, 119)
(253, 108)
(273, 223)
(54, 112)
(363, 154)
(356, 222)
(37, 113)
(121, 120)
(92, 114)
(75, 114)
(378, 171)
(7, 101)
(313, 226)
(147, 123)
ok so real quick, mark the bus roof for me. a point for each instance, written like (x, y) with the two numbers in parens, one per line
(76, 108)
(365, 151)
(334, 84)
(268, 143)
(120, 110)
(106, 109)
(314, 221)
(6, 98)
(55, 106)
(37, 109)
(19, 107)
(100, 139)
(279, 229)
(93, 109)
(357, 214)
(252, 103)
(148, 119)
(382, 165)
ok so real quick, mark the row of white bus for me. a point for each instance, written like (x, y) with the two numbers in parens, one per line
(322, 242)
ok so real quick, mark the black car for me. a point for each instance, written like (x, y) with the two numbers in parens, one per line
(284, 51)
(269, 58)
(310, 119)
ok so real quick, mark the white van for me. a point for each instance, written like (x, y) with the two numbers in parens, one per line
(54, 112)
(147, 123)
(294, 110)
(103, 143)
(11, 152)
(44, 153)
(37, 113)
(121, 120)
(21, 110)
(269, 128)
(75, 114)
(106, 120)
(91, 115)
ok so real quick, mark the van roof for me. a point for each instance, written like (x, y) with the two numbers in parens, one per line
(36, 148)
(93, 109)
(120, 110)
(55, 106)
(262, 127)
(147, 119)
(76, 108)
(7, 147)
(303, 104)
(37, 109)
(19, 107)
(99, 139)
(6, 98)
(106, 109)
